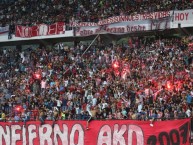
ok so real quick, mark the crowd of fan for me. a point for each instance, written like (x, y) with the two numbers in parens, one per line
(148, 78)
(31, 12)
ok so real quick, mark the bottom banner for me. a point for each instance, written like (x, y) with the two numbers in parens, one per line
(109, 132)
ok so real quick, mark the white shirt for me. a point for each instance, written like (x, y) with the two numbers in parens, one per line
(59, 103)
(88, 108)
(69, 95)
(104, 105)
(22, 55)
(140, 106)
(66, 83)
(89, 97)
(148, 92)
(188, 112)
(43, 74)
(77, 110)
(94, 101)
(43, 84)
(90, 73)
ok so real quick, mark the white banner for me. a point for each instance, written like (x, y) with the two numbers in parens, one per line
(136, 23)
(125, 27)
(4, 29)
(184, 18)
(125, 18)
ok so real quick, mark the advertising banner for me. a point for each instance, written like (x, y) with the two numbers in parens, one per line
(40, 30)
(111, 132)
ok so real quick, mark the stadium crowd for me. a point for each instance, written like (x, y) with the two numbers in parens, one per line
(148, 78)
(32, 12)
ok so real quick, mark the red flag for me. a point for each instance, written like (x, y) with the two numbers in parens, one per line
(156, 93)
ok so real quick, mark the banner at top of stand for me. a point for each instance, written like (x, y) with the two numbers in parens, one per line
(124, 18)
(177, 16)
(120, 28)
(118, 25)
(40, 30)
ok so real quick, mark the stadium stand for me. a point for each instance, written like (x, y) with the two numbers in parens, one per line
(157, 81)
(148, 78)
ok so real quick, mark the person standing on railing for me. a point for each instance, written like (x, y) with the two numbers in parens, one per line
(34, 114)
(42, 116)
(92, 113)
(16, 117)
(55, 116)
(2, 116)
(26, 116)
(63, 115)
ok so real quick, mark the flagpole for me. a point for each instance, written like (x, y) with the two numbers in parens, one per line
(83, 53)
